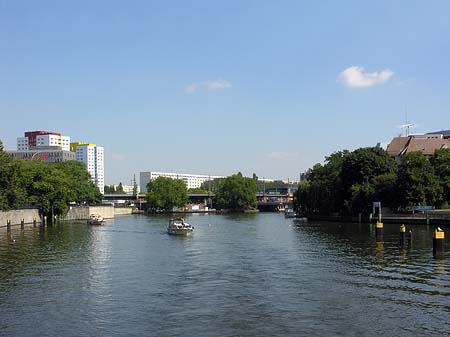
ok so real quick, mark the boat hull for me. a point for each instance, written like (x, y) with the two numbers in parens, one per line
(184, 231)
(95, 223)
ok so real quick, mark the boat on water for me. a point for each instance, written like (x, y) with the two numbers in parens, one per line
(289, 213)
(95, 219)
(179, 227)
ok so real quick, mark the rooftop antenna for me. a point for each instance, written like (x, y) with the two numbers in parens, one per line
(407, 125)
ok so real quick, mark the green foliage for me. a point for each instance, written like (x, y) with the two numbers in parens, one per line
(323, 193)
(165, 193)
(236, 193)
(12, 195)
(198, 190)
(110, 189)
(43, 184)
(441, 164)
(360, 171)
(212, 185)
(417, 184)
(57, 184)
(348, 182)
(119, 188)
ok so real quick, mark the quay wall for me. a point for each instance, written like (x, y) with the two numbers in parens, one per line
(83, 212)
(432, 218)
(123, 210)
(16, 217)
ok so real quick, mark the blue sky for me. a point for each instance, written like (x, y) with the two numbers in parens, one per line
(213, 87)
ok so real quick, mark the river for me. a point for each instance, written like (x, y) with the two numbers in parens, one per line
(238, 275)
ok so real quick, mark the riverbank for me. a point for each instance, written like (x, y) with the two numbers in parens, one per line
(75, 213)
(437, 218)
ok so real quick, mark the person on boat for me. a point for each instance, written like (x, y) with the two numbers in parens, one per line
(182, 221)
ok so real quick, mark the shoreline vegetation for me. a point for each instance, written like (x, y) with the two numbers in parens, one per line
(51, 187)
(348, 183)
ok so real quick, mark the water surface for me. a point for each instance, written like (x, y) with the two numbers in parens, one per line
(238, 275)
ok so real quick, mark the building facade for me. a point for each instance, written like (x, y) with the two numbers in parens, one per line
(49, 155)
(426, 144)
(191, 180)
(36, 139)
(93, 157)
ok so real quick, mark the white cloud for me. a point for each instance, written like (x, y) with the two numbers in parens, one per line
(209, 85)
(283, 155)
(219, 84)
(356, 77)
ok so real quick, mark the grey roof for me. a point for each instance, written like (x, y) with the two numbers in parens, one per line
(443, 132)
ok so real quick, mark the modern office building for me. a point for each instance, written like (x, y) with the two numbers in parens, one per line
(51, 147)
(93, 157)
(191, 180)
(47, 155)
(33, 140)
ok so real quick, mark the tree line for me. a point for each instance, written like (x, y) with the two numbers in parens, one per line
(236, 193)
(348, 182)
(49, 186)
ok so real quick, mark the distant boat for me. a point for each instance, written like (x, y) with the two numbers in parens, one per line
(179, 227)
(289, 213)
(95, 219)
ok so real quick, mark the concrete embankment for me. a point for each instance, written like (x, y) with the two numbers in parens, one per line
(75, 213)
(16, 216)
(108, 212)
(438, 218)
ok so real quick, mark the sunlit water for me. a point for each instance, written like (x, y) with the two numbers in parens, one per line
(238, 275)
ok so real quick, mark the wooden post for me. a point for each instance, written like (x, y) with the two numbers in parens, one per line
(379, 229)
(22, 223)
(438, 242)
(402, 235)
(8, 225)
(34, 221)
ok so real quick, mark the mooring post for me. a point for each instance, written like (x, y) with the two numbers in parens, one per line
(8, 225)
(402, 235)
(409, 238)
(45, 220)
(438, 242)
(379, 229)
(34, 221)
(22, 223)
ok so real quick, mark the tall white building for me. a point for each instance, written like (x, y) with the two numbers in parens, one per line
(92, 156)
(191, 180)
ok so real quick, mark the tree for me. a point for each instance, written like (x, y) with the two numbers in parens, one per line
(12, 194)
(359, 172)
(441, 164)
(416, 182)
(110, 189)
(237, 193)
(52, 186)
(119, 188)
(197, 190)
(165, 193)
(323, 193)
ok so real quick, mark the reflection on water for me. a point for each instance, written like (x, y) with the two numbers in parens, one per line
(238, 275)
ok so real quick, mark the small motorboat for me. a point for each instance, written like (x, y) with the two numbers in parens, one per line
(179, 227)
(289, 213)
(95, 219)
